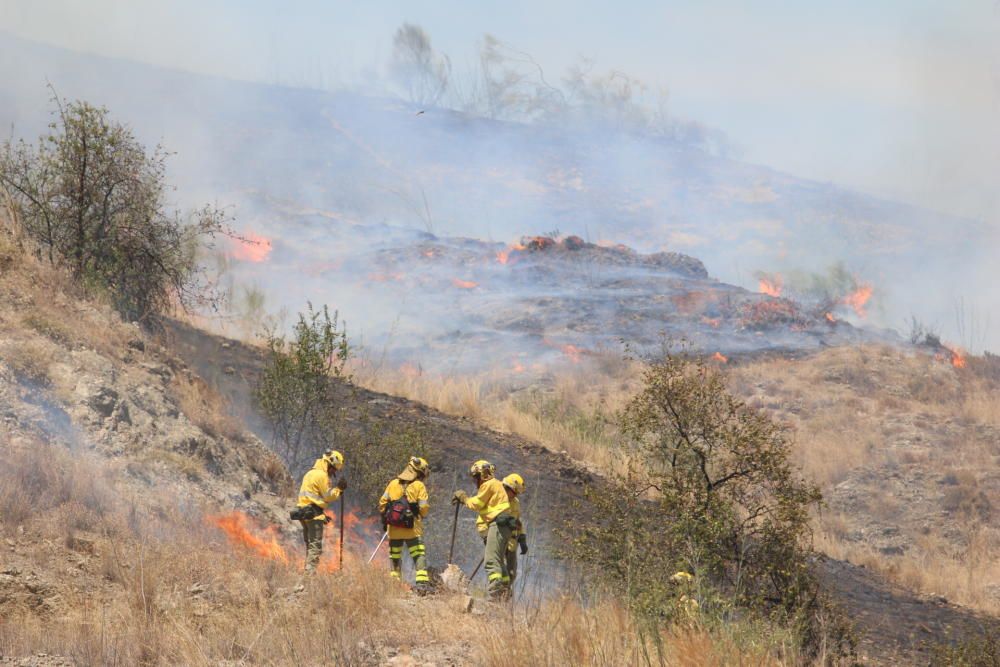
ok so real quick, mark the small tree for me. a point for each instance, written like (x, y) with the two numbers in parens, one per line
(416, 67)
(295, 391)
(711, 492)
(91, 197)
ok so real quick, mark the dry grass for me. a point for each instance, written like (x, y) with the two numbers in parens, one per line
(864, 416)
(892, 422)
(205, 407)
(565, 632)
(570, 408)
(173, 591)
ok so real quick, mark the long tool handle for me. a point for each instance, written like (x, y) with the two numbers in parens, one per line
(476, 571)
(454, 525)
(372, 557)
(341, 531)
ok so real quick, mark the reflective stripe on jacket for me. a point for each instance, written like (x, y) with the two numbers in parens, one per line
(316, 488)
(490, 501)
(416, 494)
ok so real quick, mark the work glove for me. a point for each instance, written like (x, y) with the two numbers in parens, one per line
(523, 541)
(341, 483)
(459, 498)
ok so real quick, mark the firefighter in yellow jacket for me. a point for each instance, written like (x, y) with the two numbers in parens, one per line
(315, 495)
(514, 485)
(493, 507)
(403, 506)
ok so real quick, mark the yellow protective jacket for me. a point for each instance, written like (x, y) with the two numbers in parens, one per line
(490, 501)
(515, 511)
(416, 494)
(316, 488)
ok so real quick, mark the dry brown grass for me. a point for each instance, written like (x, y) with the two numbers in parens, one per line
(877, 414)
(569, 408)
(860, 415)
(173, 591)
(205, 407)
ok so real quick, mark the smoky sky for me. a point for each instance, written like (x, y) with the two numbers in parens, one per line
(898, 101)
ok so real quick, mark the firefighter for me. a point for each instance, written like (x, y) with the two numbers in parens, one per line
(514, 485)
(493, 507)
(403, 507)
(315, 495)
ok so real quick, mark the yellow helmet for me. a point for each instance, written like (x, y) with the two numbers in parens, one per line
(420, 465)
(514, 482)
(334, 458)
(482, 469)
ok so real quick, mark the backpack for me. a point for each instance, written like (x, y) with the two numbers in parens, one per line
(399, 513)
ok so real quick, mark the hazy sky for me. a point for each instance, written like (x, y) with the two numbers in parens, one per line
(898, 97)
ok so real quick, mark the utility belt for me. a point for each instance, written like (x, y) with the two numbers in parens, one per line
(306, 512)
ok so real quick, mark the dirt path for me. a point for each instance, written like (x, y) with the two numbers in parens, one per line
(895, 626)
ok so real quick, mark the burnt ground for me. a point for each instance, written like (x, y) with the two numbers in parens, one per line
(895, 626)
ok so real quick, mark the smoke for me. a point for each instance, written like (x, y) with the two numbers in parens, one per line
(333, 181)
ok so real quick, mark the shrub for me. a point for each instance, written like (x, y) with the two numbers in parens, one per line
(91, 197)
(295, 392)
(711, 492)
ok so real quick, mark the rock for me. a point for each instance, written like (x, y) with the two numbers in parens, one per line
(160, 370)
(454, 579)
(81, 545)
(102, 400)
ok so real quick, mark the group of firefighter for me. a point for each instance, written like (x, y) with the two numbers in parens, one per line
(405, 503)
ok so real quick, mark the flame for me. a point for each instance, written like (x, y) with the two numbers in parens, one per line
(410, 370)
(429, 252)
(385, 277)
(504, 256)
(518, 367)
(239, 530)
(713, 322)
(771, 286)
(718, 356)
(330, 560)
(572, 352)
(464, 284)
(830, 318)
(858, 298)
(251, 248)
(957, 356)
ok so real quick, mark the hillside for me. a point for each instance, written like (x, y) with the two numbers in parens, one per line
(139, 451)
(322, 178)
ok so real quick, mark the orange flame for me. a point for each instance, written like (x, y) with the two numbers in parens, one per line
(518, 367)
(771, 286)
(464, 284)
(572, 352)
(251, 248)
(718, 356)
(713, 322)
(858, 298)
(239, 531)
(410, 370)
(957, 356)
(385, 277)
(504, 256)
(830, 318)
